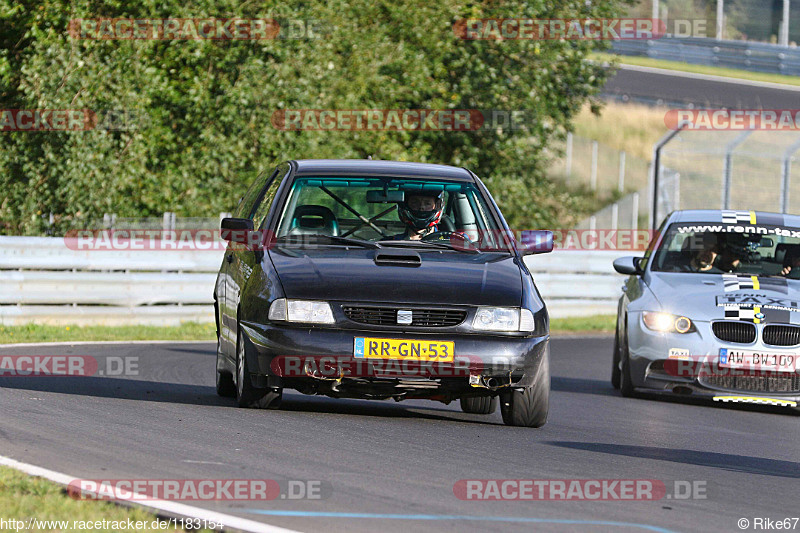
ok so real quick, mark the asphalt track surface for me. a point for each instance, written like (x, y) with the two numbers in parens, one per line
(392, 466)
(675, 89)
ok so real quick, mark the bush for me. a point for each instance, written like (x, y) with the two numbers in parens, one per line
(202, 109)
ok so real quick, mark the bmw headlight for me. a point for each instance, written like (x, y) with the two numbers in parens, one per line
(667, 323)
(307, 311)
(503, 319)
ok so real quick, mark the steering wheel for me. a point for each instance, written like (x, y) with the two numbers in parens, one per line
(447, 236)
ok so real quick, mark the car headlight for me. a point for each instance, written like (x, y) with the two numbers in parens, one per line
(308, 311)
(667, 323)
(503, 319)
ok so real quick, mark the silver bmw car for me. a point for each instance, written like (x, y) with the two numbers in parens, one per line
(713, 309)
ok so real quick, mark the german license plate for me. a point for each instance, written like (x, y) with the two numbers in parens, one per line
(405, 349)
(780, 362)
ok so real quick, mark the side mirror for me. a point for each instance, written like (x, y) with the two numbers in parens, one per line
(536, 242)
(237, 230)
(628, 265)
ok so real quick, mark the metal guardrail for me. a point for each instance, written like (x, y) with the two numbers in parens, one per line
(578, 282)
(746, 55)
(44, 281)
(51, 253)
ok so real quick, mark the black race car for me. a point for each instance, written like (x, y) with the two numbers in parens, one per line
(380, 279)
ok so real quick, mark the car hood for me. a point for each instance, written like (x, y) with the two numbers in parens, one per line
(336, 273)
(703, 297)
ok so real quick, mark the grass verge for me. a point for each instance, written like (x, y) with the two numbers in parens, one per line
(24, 497)
(192, 331)
(189, 331)
(641, 61)
(630, 127)
(584, 324)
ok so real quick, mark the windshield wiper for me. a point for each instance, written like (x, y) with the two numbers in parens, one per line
(330, 238)
(415, 244)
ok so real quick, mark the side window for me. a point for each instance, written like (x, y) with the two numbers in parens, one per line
(265, 204)
(249, 201)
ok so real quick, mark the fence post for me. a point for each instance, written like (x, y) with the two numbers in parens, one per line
(569, 156)
(652, 178)
(593, 178)
(727, 168)
(655, 173)
(169, 221)
(614, 216)
(635, 211)
(784, 33)
(720, 18)
(621, 186)
(786, 174)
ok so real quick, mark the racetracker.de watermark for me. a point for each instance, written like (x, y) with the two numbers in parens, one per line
(600, 29)
(197, 29)
(154, 240)
(450, 120)
(71, 120)
(198, 489)
(105, 240)
(67, 365)
(407, 362)
(733, 365)
(378, 119)
(578, 489)
(733, 119)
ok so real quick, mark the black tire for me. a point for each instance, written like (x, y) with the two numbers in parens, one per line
(246, 394)
(225, 385)
(615, 371)
(479, 405)
(626, 387)
(528, 407)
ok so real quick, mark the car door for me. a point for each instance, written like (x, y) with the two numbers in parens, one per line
(226, 284)
(242, 261)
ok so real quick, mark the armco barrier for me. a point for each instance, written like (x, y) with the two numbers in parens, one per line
(745, 55)
(43, 281)
(578, 282)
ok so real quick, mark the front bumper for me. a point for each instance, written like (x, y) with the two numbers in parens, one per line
(493, 358)
(688, 364)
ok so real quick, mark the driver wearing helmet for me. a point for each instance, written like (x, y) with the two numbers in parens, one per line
(734, 250)
(421, 212)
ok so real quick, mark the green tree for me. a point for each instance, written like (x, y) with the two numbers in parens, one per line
(203, 109)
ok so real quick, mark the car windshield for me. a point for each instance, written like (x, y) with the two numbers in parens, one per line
(762, 250)
(383, 209)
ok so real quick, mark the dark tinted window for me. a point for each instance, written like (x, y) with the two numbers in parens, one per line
(264, 205)
(247, 205)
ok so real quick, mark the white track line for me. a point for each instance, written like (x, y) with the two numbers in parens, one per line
(710, 77)
(91, 343)
(172, 508)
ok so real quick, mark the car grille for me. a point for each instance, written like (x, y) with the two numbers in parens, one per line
(780, 382)
(781, 335)
(387, 316)
(730, 331)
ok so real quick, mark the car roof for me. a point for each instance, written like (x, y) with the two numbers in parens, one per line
(369, 167)
(715, 216)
